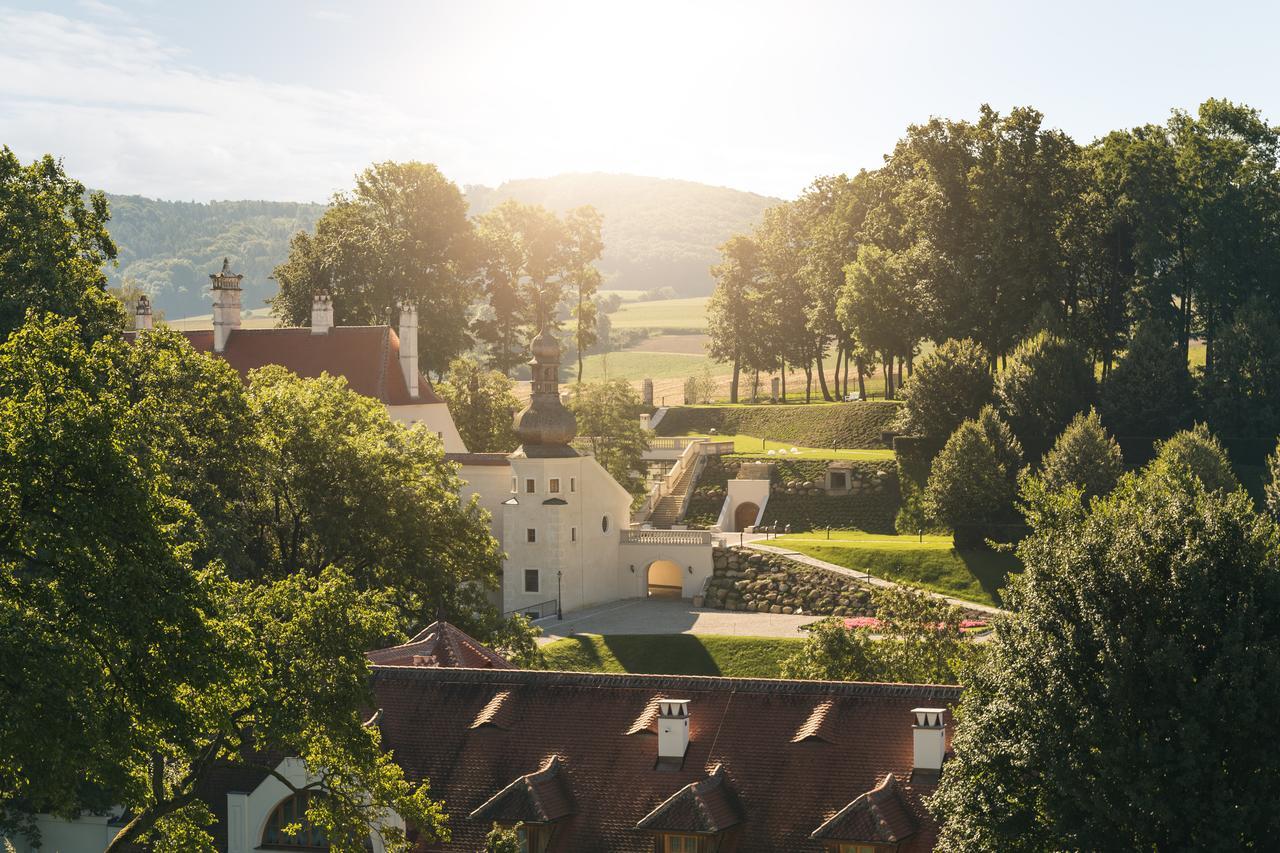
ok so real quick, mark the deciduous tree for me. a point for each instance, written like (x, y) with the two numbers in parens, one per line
(974, 480)
(482, 403)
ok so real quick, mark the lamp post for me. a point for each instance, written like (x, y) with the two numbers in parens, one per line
(559, 606)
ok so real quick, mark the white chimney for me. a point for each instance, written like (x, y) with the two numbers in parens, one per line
(409, 346)
(930, 737)
(226, 305)
(673, 728)
(321, 313)
(142, 314)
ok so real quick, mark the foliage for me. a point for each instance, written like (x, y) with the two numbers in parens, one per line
(608, 416)
(53, 243)
(502, 840)
(1199, 452)
(1084, 457)
(1137, 665)
(920, 642)
(947, 387)
(882, 303)
(1147, 396)
(733, 306)
(843, 425)
(1241, 396)
(148, 671)
(401, 234)
(482, 403)
(700, 388)
(973, 481)
(1046, 383)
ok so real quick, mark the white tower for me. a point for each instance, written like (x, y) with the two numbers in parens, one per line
(226, 305)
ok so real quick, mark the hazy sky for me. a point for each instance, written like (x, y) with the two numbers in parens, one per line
(287, 100)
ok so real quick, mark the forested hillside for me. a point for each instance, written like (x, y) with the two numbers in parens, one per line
(657, 232)
(169, 247)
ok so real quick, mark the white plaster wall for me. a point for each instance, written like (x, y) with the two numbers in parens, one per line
(492, 483)
(740, 492)
(435, 417)
(643, 554)
(87, 834)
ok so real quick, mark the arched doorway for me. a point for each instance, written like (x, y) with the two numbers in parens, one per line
(744, 515)
(665, 580)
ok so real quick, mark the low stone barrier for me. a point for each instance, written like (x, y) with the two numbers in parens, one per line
(748, 580)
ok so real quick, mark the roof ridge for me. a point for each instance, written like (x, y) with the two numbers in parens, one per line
(655, 681)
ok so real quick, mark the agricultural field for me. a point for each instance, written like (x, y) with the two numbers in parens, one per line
(690, 314)
(258, 318)
(930, 561)
(671, 654)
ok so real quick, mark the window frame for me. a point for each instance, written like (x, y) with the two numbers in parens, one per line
(536, 574)
(299, 816)
(553, 485)
(530, 485)
(531, 535)
(604, 523)
(573, 485)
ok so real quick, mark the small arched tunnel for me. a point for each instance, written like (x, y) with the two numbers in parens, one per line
(744, 515)
(665, 580)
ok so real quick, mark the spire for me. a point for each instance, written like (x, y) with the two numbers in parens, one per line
(545, 427)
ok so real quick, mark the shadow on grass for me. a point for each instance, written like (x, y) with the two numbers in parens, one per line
(666, 654)
(991, 569)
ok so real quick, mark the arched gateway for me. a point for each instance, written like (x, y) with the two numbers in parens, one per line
(665, 579)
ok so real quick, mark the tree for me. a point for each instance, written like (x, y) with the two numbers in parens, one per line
(332, 456)
(1139, 658)
(53, 244)
(1147, 396)
(882, 304)
(1046, 383)
(608, 416)
(920, 642)
(949, 386)
(583, 227)
(730, 311)
(1084, 457)
(402, 233)
(502, 840)
(149, 672)
(1241, 396)
(482, 403)
(1197, 451)
(973, 481)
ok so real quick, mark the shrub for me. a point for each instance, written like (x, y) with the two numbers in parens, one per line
(1199, 451)
(949, 386)
(1047, 382)
(974, 480)
(1147, 396)
(1085, 457)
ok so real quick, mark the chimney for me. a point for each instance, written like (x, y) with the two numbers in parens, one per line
(321, 313)
(409, 346)
(930, 736)
(142, 314)
(673, 728)
(226, 305)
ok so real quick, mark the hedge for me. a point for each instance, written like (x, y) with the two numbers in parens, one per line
(838, 426)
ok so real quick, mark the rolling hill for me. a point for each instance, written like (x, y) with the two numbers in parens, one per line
(658, 233)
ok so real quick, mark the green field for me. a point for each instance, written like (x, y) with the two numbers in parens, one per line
(688, 313)
(971, 574)
(638, 365)
(671, 654)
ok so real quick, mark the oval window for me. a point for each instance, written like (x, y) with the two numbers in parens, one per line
(604, 524)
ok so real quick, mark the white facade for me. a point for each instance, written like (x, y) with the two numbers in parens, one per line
(435, 417)
(87, 834)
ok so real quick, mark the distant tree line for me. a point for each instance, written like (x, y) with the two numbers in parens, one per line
(995, 228)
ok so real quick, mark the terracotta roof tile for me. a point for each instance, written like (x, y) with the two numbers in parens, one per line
(820, 724)
(440, 644)
(539, 797)
(780, 790)
(496, 459)
(880, 816)
(705, 806)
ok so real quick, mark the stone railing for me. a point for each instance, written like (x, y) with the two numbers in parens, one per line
(665, 537)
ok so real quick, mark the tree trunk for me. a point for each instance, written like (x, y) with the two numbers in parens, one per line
(862, 380)
(822, 375)
(808, 382)
(888, 377)
(784, 380)
(733, 384)
(900, 360)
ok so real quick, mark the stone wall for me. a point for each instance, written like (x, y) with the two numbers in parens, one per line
(743, 579)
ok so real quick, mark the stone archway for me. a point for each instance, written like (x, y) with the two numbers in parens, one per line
(744, 515)
(664, 579)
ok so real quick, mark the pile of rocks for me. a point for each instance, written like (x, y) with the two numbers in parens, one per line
(862, 481)
(743, 579)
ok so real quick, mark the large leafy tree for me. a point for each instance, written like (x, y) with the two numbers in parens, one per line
(53, 245)
(1199, 452)
(132, 673)
(1118, 705)
(582, 225)
(883, 305)
(732, 309)
(1047, 382)
(608, 416)
(950, 385)
(482, 403)
(1148, 395)
(401, 234)
(1084, 457)
(973, 481)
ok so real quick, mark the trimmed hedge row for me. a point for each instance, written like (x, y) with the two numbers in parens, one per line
(839, 425)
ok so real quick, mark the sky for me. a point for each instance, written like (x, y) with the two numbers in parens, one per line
(287, 100)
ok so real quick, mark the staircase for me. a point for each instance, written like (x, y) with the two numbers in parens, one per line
(670, 508)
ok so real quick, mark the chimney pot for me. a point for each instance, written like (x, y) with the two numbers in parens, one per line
(673, 728)
(226, 304)
(409, 346)
(142, 314)
(929, 737)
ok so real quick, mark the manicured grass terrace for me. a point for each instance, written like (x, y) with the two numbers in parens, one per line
(672, 654)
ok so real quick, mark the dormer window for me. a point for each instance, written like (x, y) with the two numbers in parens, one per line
(681, 844)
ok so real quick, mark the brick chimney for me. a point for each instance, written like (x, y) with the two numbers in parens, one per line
(409, 346)
(930, 738)
(321, 313)
(142, 314)
(673, 728)
(226, 305)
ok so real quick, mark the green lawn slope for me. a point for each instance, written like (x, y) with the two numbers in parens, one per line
(672, 654)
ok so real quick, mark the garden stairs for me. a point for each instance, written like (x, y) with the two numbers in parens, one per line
(670, 508)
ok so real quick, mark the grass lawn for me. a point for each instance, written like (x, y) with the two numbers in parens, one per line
(750, 445)
(972, 574)
(690, 313)
(672, 654)
(634, 365)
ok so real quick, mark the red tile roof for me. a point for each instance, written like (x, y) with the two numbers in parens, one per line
(880, 816)
(598, 727)
(367, 356)
(539, 797)
(440, 644)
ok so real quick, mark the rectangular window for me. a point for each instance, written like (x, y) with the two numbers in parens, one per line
(515, 485)
(856, 848)
(531, 535)
(531, 580)
(573, 484)
(573, 534)
(553, 485)
(680, 844)
(528, 485)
